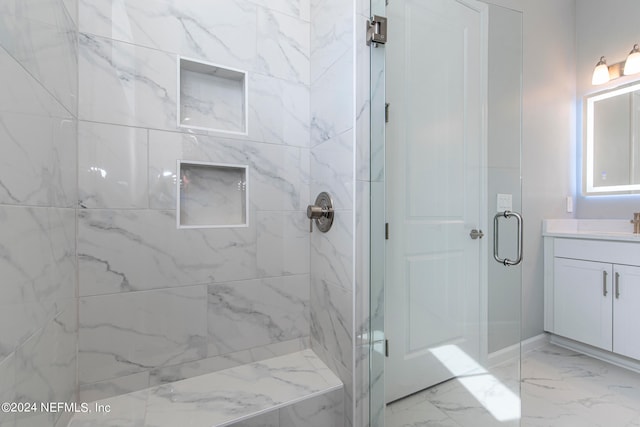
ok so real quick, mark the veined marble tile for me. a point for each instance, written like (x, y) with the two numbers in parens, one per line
(482, 401)
(363, 8)
(122, 251)
(126, 84)
(52, 12)
(46, 364)
(113, 387)
(296, 8)
(553, 362)
(38, 156)
(127, 410)
(213, 364)
(377, 255)
(362, 370)
(321, 411)
(221, 31)
(247, 389)
(331, 34)
(332, 252)
(331, 320)
(376, 390)
(126, 333)
(72, 10)
(423, 413)
(7, 387)
(112, 166)
(38, 244)
(38, 166)
(38, 266)
(221, 398)
(377, 113)
(283, 243)
(283, 46)
(269, 419)
(246, 314)
(344, 373)
(363, 104)
(22, 94)
(332, 168)
(278, 175)
(332, 103)
(279, 111)
(362, 262)
(562, 387)
(42, 38)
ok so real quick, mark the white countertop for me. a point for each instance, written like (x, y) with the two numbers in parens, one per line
(592, 229)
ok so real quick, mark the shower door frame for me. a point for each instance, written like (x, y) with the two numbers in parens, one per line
(377, 339)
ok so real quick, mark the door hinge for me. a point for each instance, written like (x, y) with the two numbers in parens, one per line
(386, 348)
(377, 30)
(386, 112)
(386, 231)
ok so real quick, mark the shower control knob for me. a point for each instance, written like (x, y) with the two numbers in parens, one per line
(314, 212)
(321, 212)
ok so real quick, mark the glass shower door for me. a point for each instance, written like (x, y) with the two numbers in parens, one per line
(447, 163)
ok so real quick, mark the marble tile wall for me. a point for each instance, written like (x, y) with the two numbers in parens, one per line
(339, 164)
(38, 122)
(321, 411)
(296, 389)
(102, 107)
(158, 303)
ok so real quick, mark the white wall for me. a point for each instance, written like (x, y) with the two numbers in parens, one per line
(603, 29)
(548, 135)
(504, 130)
(548, 151)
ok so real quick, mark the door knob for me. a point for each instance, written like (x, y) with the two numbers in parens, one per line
(476, 234)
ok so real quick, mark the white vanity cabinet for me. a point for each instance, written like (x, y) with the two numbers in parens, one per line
(626, 311)
(583, 309)
(592, 290)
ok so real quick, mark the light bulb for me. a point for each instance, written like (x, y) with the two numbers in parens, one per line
(601, 73)
(632, 65)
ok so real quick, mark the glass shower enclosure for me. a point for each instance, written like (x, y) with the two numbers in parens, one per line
(446, 229)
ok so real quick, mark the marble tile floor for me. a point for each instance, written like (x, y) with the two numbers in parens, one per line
(559, 388)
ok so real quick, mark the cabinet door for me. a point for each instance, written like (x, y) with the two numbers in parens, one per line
(583, 301)
(626, 310)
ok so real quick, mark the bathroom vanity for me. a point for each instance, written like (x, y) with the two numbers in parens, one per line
(592, 287)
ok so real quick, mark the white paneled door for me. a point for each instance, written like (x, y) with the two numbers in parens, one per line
(435, 177)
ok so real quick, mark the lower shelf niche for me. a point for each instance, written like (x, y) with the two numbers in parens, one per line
(212, 195)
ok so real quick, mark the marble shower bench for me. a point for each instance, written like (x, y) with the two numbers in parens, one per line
(294, 390)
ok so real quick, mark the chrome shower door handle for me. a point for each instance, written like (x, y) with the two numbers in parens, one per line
(496, 237)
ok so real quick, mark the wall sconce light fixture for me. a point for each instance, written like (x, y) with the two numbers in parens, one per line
(600, 73)
(632, 64)
(604, 73)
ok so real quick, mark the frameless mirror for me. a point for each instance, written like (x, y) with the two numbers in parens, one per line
(612, 141)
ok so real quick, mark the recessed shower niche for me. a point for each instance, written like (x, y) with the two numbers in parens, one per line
(212, 97)
(212, 195)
